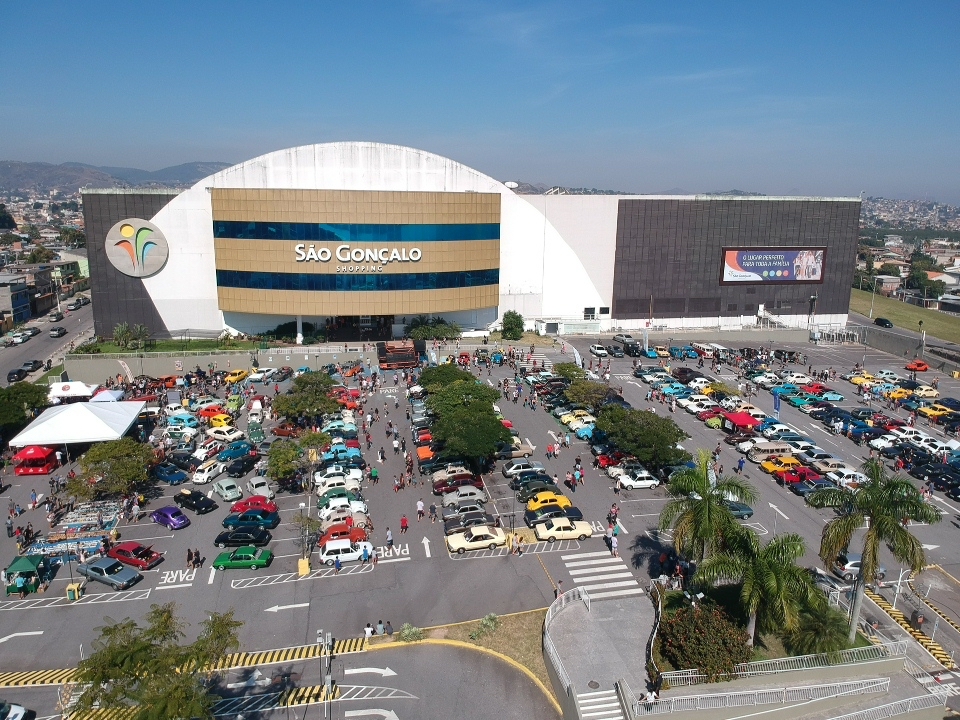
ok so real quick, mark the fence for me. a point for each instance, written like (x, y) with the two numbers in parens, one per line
(768, 696)
(901, 707)
(801, 662)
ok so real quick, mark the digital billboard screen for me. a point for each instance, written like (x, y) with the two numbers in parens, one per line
(773, 265)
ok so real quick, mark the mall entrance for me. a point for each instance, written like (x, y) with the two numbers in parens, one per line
(359, 328)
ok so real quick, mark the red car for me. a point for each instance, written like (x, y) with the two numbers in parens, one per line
(256, 399)
(610, 459)
(212, 410)
(344, 390)
(797, 475)
(254, 502)
(286, 429)
(353, 443)
(507, 424)
(712, 412)
(135, 554)
(342, 530)
(815, 388)
(917, 366)
(423, 439)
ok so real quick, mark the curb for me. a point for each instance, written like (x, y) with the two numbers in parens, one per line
(938, 611)
(493, 653)
(898, 617)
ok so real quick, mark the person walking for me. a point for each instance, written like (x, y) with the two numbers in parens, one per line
(433, 512)
(336, 565)
(420, 511)
(389, 538)
(613, 546)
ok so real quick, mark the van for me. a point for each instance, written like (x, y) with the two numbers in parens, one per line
(704, 350)
(345, 550)
(767, 450)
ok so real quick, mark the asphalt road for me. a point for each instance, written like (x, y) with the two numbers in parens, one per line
(79, 325)
(418, 581)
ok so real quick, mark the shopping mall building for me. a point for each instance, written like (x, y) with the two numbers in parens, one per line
(366, 236)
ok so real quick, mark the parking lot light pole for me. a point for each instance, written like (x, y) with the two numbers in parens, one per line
(899, 580)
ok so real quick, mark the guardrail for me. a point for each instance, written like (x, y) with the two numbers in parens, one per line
(769, 696)
(801, 662)
(628, 700)
(901, 707)
(658, 610)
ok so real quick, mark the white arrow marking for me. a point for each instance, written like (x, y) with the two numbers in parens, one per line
(426, 546)
(634, 383)
(37, 632)
(778, 511)
(925, 547)
(385, 672)
(253, 681)
(532, 446)
(385, 714)
(622, 528)
(277, 608)
(213, 574)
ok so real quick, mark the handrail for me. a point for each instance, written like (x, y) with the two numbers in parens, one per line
(800, 662)
(549, 649)
(658, 609)
(765, 696)
(628, 700)
(901, 707)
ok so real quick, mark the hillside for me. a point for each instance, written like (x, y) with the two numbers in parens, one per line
(68, 177)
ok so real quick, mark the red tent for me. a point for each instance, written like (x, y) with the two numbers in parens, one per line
(733, 421)
(35, 460)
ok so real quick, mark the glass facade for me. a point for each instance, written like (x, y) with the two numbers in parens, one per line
(350, 282)
(354, 232)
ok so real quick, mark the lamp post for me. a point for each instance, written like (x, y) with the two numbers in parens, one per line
(873, 296)
(303, 532)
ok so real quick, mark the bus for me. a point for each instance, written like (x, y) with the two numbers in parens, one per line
(722, 353)
(704, 350)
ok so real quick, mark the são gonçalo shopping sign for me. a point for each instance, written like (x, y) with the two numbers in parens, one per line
(364, 259)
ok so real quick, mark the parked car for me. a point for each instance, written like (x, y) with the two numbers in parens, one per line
(136, 555)
(480, 537)
(563, 529)
(243, 536)
(171, 517)
(260, 486)
(169, 473)
(195, 500)
(246, 557)
(847, 566)
(254, 517)
(109, 571)
(254, 502)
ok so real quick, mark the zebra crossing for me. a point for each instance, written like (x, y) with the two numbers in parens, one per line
(601, 574)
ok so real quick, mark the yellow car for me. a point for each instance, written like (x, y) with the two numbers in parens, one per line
(782, 463)
(925, 391)
(661, 351)
(542, 499)
(571, 416)
(933, 411)
(235, 376)
(563, 529)
(861, 379)
(898, 394)
(221, 420)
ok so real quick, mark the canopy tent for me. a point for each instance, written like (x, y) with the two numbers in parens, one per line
(34, 452)
(111, 395)
(72, 390)
(738, 421)
(80, 423)
(35, 460)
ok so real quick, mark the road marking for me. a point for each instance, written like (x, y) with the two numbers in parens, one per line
(154, 537)
(213, 574)
(253, 681)
(778, 511)
(384, 672)
(278, 608)
(385, 714)
(532, 446)
(37, 632)
(171, 587)
(925, 547)
(390, 560)
(622, 528)
(426, 546)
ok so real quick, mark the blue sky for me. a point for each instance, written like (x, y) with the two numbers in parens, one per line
(812, 98)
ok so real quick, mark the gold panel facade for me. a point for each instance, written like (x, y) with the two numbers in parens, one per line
(353, 206)
(322, 304)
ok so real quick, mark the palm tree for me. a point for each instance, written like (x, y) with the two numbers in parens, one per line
(885, 504)
(698, 512)
(139, 333)
(821, 629)
(774, 589)
(121, 334)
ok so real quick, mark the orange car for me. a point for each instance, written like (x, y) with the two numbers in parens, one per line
(212, 411)
(917, 366)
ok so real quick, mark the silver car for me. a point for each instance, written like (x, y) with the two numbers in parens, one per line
(109, 572)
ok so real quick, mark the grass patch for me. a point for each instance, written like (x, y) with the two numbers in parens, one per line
(174, 346)
(53, 372)
(526, 341)
(903, 315)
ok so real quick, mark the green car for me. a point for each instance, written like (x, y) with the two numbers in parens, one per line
(325, 499)
(234, 403)
(801, 399)
(247, 557)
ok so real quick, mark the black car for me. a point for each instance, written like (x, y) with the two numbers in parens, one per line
(633, 349)
(245, 536)
(526, 477)
(16, 375)
(548, 512)
(528, 491)
(953, 493)
(941, 477)
(614, 351)
(461, 522)
(883, 322)
(908, 384)
(194, 500)
(241, 466)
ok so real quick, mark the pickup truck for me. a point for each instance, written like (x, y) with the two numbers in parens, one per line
(109, 572)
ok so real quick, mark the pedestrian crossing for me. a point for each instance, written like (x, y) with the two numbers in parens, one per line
(600, 705)
(601, 574)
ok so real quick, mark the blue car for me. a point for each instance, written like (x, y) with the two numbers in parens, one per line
(341, 453)
(255, 518)
(169, 473)
(674, 389)
(831, 396)
(787, 389)
(235, 450)
(651, 353)
(184, 420)
(677, 352)
(586, 432)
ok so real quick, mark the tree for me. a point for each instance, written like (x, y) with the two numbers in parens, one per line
(312, 443)
(512, 325)
(71, 237)
(40, 254)
(20, 402)
(721, 387)
(697, 510)
(821, 629)
(773, 589)
(434, 378)
(703, 637)
(145, 671)
(121, 334)
(283, 459)
(8, 238)
(112, 468)
(139, 334)
(571, 371)
(889, 269)
(461, 394)
(470, 431)
(6, 219)
(308, 397)
(587, 393)
(32, 231)
(885, 504)
(652, 439)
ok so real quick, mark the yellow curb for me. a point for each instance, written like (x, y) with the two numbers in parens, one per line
(460, 644)
(934, 648)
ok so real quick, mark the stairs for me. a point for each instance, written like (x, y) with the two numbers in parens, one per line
(600, 705)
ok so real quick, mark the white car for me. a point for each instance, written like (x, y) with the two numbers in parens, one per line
(731, 402)
(656, 376)
(581, 422)
(684, 402)
(748, 445)
(334, 470)
(700, 383)
(598, 350)
(174, 409)
(563, 529)
(227, 434)
(701, 405)
(478, 537)
(884, 441)
(333, 507)
(204, 402)
(260, 486)
(623, 339)
(464, 492)
(801, 445)
(887, 376)
(640, 480)
(775, 429)
(331, 482)
(797, 378)
(933, 445)
(842, 478)
(208, 471)
(228, 490)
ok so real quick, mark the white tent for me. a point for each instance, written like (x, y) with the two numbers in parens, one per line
(80, 423)
(108, 395)
(61, 390)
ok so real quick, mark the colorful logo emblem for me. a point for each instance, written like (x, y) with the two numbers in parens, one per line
(137, 248)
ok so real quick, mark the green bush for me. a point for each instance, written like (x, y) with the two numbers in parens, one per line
(512, 325)
(488, 624)
(410, 633)
(822, 630)
(703, 637)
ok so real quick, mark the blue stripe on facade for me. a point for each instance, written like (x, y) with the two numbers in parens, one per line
(354, 233)
(352, 283)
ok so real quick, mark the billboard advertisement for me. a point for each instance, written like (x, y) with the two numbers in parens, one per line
(773, 265)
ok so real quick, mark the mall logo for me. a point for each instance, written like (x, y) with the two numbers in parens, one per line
(137, 248)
